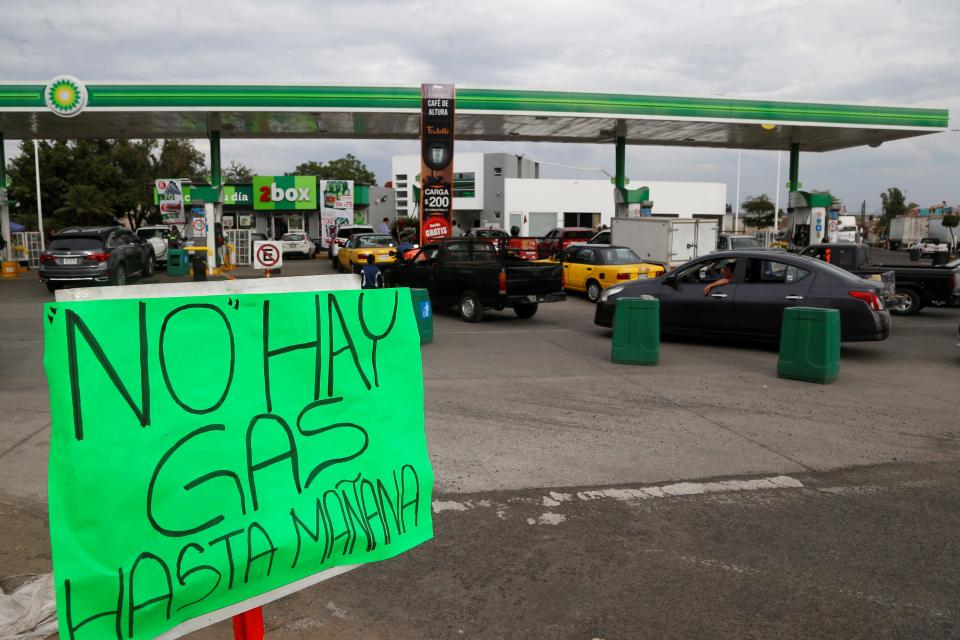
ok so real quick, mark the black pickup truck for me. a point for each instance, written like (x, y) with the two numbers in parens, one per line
(916, 287)
(476, 274)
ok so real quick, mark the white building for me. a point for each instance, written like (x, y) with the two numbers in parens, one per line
(505, 190)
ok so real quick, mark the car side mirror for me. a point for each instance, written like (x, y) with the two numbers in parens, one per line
(671, 279)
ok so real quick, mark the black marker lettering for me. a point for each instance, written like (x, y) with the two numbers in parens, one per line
(376, 338)
(385, 500)
(270, 353)
(333, 305)
(299, 525)
(74, 324)
(225, 538)
(289, 454)
(163, 358)
(271, 550)
(367, 490)
(116, 614)
(183, 575)
(221, 473)
(415, 502)
(168, 596)
(321, 430)
(346, 524)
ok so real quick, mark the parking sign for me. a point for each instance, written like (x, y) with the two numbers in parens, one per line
(267, 254)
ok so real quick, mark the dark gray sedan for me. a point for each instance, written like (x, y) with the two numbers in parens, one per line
(742, 294)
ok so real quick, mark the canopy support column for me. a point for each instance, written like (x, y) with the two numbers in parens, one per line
(214, 213)
(4, 208)
(620, 179)
(794, 166)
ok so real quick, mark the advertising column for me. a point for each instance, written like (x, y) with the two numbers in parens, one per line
(336, 208)
(436, 160)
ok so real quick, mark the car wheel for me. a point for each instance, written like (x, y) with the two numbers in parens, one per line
(910, 305)
(119, 276)
(469, 306)
(52, 286)
(150, 267)
(525, 311)
(593, 290)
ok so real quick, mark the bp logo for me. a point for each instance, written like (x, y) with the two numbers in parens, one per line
(65, 96)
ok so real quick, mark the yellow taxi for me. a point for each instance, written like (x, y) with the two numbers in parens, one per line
(354, 254)
(591, 268)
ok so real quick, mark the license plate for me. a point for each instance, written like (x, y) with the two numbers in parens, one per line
(70, 260)
(383, 258)
(643, 276)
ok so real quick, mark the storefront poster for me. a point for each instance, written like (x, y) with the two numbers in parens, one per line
(336, 206)
(187, 475)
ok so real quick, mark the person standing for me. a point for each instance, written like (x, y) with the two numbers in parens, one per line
(455, 230)
(384, 227)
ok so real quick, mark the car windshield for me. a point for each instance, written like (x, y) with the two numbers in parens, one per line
(75, 244)
(375, 241)
(619, 255)
(490, 233)
(292, 237)
(744, 243)
(577, 235)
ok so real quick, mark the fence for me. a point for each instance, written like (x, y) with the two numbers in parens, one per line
(240, 239)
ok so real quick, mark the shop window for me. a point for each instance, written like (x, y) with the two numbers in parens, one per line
(498, 171)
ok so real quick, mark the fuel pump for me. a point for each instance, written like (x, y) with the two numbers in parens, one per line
(807, 214)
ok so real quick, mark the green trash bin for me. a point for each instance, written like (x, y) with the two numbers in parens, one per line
(423, 312)
(810, 344)
(178, 264)
(636, 331)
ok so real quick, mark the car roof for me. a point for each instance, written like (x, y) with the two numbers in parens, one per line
(87, 231)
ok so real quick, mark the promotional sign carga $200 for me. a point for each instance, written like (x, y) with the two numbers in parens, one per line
(208, 450)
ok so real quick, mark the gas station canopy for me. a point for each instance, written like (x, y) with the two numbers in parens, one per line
(391, 112)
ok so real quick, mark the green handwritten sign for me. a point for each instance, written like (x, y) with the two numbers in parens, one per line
(208, 450)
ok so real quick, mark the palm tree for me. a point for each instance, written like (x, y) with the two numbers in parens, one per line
(84, 205)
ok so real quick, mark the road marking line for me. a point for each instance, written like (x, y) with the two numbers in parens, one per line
(693, 488)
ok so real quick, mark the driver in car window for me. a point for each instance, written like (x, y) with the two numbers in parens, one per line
(726, 277)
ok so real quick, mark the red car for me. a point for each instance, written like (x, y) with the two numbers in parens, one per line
(560, 238)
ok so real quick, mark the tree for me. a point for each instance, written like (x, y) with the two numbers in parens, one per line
(758, 212)
(84, 205)
(893, 206)
(237, 172)
(950, 222)
(180, 159)
(346, 168)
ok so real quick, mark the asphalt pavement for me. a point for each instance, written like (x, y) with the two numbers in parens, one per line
(577, 498)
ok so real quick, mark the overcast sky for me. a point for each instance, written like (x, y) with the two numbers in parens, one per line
(883, 52)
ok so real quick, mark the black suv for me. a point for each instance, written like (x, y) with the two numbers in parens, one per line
(77, 255)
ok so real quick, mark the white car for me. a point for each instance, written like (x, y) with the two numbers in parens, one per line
(298, 243)
(343, 234)
(158, 236)
(929, 246)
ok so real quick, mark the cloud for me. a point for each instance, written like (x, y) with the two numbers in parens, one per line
(883, 52)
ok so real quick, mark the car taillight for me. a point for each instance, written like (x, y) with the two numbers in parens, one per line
(623, 276)
(46, 258)
(502, 288)
(362, 256)
(873, 300)
(99, 256)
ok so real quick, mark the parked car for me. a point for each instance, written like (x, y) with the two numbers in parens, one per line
(343, 234)
(476, 274)
(930, 246)
(360, 245)
(297, 243)
(592, 268)
(728, 241)
(915, 286)
(486, 232)
(600, 237)
(751, 307)
(556, 240)
(90, 255)
(159, 236)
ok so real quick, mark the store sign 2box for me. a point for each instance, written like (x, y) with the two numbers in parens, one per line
(277, 193)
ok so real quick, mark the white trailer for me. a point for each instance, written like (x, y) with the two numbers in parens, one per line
(667, 241)
(906, 231)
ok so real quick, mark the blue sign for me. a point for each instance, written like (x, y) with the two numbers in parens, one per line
(425, 309)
